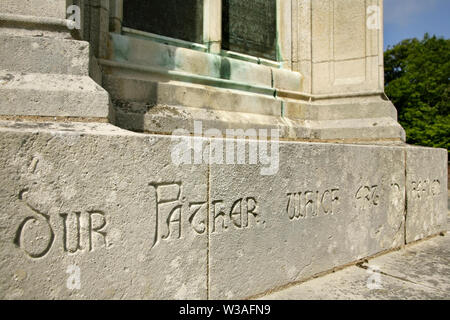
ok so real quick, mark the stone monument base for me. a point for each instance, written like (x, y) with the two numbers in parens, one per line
(91, 211)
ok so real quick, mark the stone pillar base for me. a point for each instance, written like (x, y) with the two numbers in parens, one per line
(45, 70)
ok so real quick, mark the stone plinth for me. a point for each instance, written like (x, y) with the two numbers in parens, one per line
(46, 70)
(95, 199)
(426, 193)
(112, 207)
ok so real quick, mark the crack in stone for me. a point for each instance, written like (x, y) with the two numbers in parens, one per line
(366, 267)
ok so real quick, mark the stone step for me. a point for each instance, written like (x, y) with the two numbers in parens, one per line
(354, 130)
(37, 8)
(52, 95)
(174, 93)
(161, 107)
(44, 55)
(32, 26)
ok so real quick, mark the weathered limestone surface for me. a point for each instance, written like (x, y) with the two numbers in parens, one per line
(52, 95)
(39, 8)
(140, 51)
(45, 70)
(426, 186)
(328, 205)
(107, 180)
(419, 271)
(113, 204)
(346, 46)
(112, 207)
(142, 105)
(44, 55)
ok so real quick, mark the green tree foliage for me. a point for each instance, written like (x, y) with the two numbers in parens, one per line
(417, 74)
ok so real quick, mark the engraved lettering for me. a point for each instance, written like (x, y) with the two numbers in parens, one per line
(334, 200)
(218, 213)
(174, 219)
(167, 210)
(96, 230)
(436, 188)
(170, 207)
(34, 251)
(31, 224)
(312, 204)
(82, 230)
(236, 211)
(71, 232)
(421, 189)
(367, 197)
(294, 206)
(198, 226)
(424, 189)
(239, 213)
(252, 207)
(309, 205)
(327, 207)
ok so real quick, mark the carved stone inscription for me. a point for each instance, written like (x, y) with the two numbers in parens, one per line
(238, 215)
(250, 27)
(175, 215)
(370, 196)
(180, 19)
(422, 189)
(81, 231)
(310, 204)
(367, 196)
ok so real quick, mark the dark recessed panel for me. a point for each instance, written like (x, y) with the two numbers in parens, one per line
(250, 27)
(180, 19)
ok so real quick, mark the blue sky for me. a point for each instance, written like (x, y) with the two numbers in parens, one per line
(412, 18)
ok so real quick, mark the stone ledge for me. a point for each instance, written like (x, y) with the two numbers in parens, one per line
(37, 8)
(344, 108)
(347, 129)
(52, 95)
(44, 55)
(146, 105)
(25, 25)
(188, 95)
(145, 53)
(327, 205)
(164, 119)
